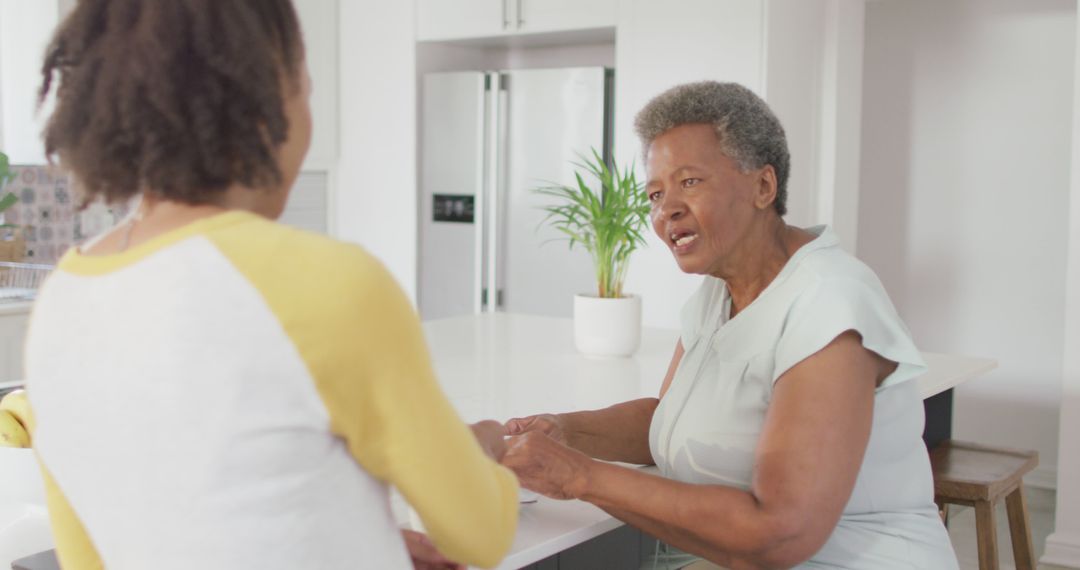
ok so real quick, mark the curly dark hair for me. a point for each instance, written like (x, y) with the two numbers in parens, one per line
(182, 98)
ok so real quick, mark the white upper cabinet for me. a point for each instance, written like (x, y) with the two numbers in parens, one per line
(537, 16)
(459, 19)
(464, 19)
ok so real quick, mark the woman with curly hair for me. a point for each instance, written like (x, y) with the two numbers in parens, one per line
(213, 389)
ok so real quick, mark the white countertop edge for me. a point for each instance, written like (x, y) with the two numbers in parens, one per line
(15, 307)
(947, 371)
(537, 552)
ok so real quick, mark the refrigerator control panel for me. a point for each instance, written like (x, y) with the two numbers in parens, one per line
(453, 208)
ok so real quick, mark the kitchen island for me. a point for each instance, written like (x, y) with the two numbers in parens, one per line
(499, 366)
(14, 316)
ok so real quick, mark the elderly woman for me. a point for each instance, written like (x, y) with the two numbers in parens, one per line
(213, 389)
(787, 431)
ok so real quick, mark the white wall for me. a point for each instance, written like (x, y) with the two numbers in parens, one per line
(25, 31)
(813, 82)
(319, 22)
(1063, 546)
(964, 196)
(659, 47)
(2, 50)
(792, 81)
(376, 185)
(802, 56)
(840, 125)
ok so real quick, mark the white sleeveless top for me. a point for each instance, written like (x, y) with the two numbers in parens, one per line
(706, 428)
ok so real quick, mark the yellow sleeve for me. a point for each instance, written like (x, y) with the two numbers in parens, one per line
(73, 547)
(401, 428)
(364, 347)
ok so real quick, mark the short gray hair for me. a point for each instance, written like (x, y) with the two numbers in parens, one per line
(749, 132)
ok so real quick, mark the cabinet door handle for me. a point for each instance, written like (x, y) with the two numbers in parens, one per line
(506, 14)
(520, 13)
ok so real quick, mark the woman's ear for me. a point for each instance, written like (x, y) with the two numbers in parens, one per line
(765, 193)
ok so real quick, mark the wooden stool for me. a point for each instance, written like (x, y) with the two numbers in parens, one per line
(979, 476)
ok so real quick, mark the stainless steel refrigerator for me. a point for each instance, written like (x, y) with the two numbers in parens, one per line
(488, 139)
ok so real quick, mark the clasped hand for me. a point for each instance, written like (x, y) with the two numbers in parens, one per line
(537, 453)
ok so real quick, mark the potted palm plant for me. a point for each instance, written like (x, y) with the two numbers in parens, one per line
(12, 245)
(607, 219)
(7, 199)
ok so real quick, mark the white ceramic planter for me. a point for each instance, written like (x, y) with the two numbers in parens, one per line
(607, 327)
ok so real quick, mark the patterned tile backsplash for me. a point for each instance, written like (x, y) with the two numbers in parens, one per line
(47, 212)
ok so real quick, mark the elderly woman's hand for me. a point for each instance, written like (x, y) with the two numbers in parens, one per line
(550, 425)
(547, 466)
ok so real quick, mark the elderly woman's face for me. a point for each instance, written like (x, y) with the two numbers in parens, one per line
(702, 204)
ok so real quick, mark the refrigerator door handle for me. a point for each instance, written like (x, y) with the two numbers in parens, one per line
(506, 14)
(499, 299)
(491, 191)
(501, 191)
(480, 207)
(520, 13)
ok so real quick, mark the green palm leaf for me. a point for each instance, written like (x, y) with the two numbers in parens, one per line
(8, 200)
(607, 219)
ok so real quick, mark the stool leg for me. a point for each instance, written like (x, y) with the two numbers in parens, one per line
(1020, 529)
(986, 530)
(943, 512)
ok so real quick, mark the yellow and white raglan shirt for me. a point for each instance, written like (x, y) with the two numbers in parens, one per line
(239, 394)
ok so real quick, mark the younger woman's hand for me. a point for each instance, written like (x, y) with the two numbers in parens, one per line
(424, 554)
(490, 435)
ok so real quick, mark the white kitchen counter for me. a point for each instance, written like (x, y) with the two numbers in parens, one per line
(14, 316)
(499, 366)
(15, 307)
